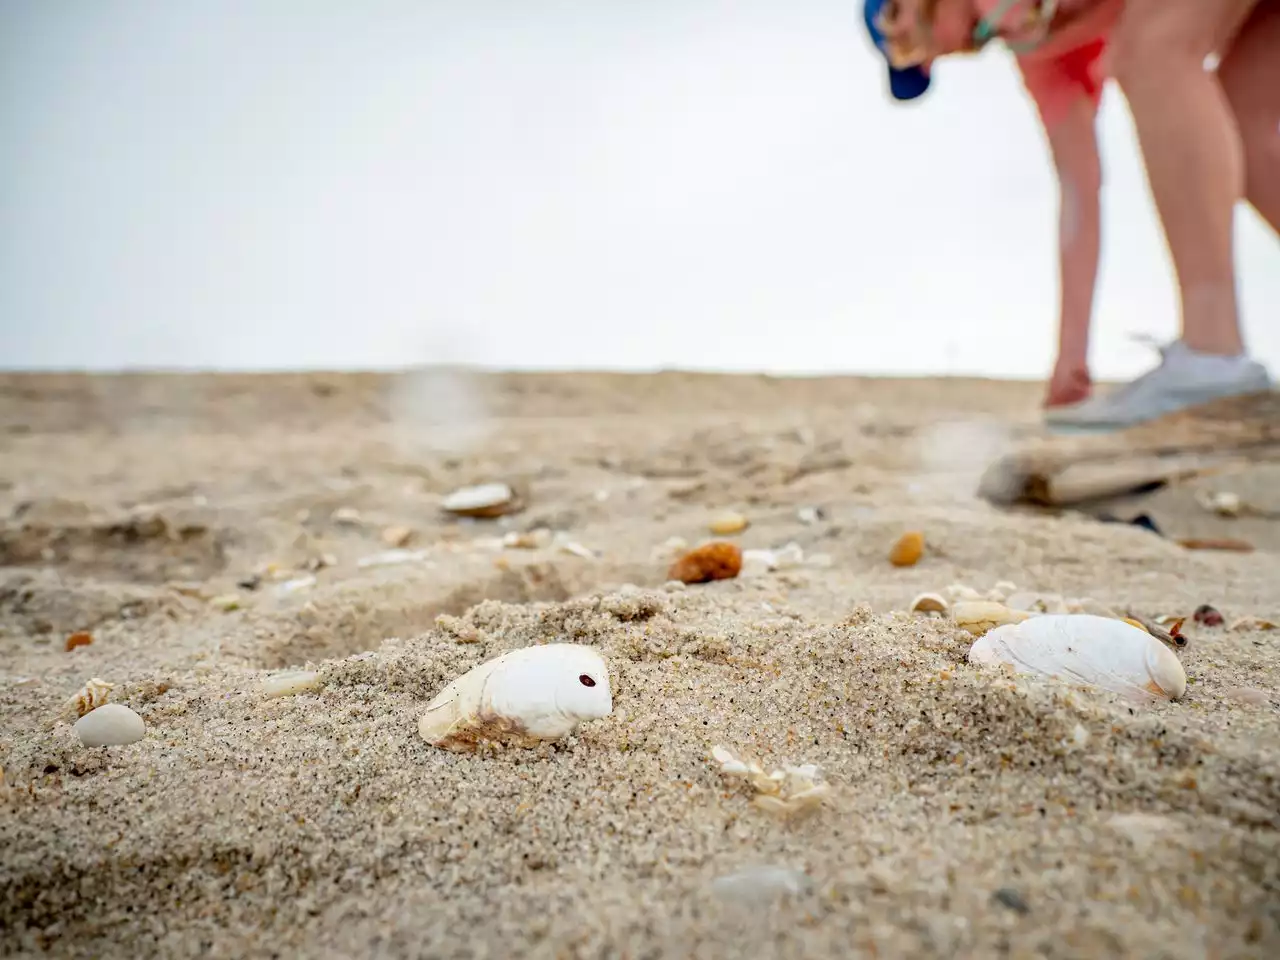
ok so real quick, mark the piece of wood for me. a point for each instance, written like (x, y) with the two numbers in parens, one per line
(1066, 471)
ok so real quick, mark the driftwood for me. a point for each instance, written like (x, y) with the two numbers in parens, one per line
(1066, 471)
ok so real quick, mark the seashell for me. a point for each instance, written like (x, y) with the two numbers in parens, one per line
(727, 524)
(89, 697)
(347, 516)
(1087, 649)
(930, 603)
(111, 725)
(389, 558)
(810, 515)
(396, 536)
(482, 500)
(1090, 605)
(979, 616)
(522, 697)
(1223, 503)
(1025, 601)
(288, 684)
(1252, 623)
(908, 550)
(959, 591)
(718, 560)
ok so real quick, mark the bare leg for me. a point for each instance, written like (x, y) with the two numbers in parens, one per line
(1074, 144)
(1250, 76)
(1192, 150)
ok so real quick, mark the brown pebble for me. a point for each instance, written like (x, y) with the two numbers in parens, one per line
(718, 560)
(908, 549)
(1207, 615)
(79, 639)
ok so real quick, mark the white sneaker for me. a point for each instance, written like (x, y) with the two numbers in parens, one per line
(1183, 379)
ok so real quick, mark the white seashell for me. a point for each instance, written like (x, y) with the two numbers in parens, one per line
(389, 558)
(979, 616)
(723, 755)
(930, 603)
(790, 555)
(958, 591)
(1087, 649)
(287, 684)
(527, 695)
(111, 725)
(1006, 589)
(756, 563)
(483, 500)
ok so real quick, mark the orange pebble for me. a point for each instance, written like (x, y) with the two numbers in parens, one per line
(718, 560)
(908, 549)
(80, 639)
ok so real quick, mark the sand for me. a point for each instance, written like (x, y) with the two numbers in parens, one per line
(970, 814)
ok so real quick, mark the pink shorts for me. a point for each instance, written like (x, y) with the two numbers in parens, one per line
(1055, 83)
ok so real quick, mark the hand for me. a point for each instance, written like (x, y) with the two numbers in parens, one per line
(1069, 384)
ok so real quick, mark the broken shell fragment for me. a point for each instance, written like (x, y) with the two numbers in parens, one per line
(111, 725)
(1086, 649)
(1222, 502)
(1251, 623)
(522, 697)
(88, 698)
(979, 616)
(787, 791)
(288, 684)
(930, 603)
(482, 500)
(959, 591)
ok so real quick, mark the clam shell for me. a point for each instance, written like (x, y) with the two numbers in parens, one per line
(482, 500)
(979, 616)
(1086, 649)
(522, 697)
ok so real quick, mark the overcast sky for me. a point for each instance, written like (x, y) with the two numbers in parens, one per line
(599, 183)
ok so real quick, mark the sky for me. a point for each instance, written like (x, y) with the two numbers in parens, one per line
(695, 184)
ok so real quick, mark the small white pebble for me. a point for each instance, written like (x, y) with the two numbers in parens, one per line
(110, 725)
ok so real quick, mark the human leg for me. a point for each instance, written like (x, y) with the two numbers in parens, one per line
(1194, 155)
(1192, 150)
(1250, 77)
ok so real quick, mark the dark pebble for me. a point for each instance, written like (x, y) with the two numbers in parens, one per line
(1012, 899)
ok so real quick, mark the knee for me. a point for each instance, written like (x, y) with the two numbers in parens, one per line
(1155, 42)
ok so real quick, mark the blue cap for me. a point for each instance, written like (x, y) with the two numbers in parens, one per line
(906, 84)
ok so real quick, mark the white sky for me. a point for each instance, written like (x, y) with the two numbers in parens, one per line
(608, 184)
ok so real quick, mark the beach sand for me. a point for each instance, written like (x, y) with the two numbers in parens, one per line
(970, 814)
